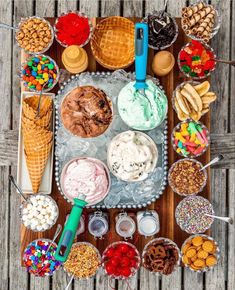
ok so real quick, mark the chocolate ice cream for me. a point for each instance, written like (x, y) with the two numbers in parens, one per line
(86, 112)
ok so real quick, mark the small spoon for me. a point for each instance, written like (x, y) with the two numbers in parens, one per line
(213, 161)
(165, 5)
(19, 190)
(230, 62)
(39, 102)
(57, 232)
(70, 281)
(222, 218)
(4, 25)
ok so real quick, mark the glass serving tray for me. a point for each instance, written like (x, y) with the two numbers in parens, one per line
(67, 146)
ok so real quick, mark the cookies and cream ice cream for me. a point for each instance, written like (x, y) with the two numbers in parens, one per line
(85, 178)
(86, 112)
(132, 156)
(139, 111)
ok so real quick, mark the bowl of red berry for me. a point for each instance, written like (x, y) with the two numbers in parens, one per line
(121, 260)
(196, 60)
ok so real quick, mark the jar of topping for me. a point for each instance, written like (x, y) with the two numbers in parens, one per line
(98, 224)
(125, 225)
(148, 223)
(81, 225)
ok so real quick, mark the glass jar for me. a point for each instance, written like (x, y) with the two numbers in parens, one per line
(125, 225)
(98, 224)
(148, 223)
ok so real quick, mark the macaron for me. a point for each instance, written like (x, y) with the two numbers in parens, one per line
(163, 63)
(75, 59)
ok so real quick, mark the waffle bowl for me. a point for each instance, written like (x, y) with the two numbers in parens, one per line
(112, 42)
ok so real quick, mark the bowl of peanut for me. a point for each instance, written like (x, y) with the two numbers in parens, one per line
(34, 35)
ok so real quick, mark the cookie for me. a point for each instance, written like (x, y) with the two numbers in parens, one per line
(194, 258)
(208, 246)
(199, 263)
(192, 266)
(191, 252)
(202, 254)
(185, 247)
(197, 241)
(185, 260)
(211, 261)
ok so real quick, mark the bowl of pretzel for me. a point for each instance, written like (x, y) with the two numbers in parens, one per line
(200, 21)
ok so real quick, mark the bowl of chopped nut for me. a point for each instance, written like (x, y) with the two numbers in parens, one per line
(34, 35)
(186, 178)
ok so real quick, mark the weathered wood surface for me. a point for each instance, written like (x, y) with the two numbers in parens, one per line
(12, 276)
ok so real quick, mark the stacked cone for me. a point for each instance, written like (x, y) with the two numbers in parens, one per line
(37, 136)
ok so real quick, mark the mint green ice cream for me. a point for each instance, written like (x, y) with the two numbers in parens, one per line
(142, 112)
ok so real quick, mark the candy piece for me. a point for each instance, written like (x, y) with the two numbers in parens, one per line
(179, 137)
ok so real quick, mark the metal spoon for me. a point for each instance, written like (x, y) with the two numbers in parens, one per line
(19, 190)
(213, 161)
(4, 25)
(165, 5)
(39, 102)
(70, 281)
(57, 232)
(222, 218)
(230, 62)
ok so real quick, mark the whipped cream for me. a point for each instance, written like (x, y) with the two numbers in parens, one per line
(85, 179)
(132, 156)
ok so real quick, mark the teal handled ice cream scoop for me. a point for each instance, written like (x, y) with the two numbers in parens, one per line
(69, 231)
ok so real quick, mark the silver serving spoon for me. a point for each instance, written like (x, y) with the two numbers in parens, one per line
(222, 218)
(213, 161)
(230, 62)
(4, 25)
(40, 98)
(70, 282)
(19, 190)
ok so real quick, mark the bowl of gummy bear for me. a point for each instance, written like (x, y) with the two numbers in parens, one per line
(196, 60)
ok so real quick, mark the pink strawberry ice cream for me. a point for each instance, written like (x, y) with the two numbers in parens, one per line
(85, 178)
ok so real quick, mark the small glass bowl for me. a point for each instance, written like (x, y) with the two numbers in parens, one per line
(214, 30)
(216, 254)
(25, 253)
(188, 213)
(177, 129)
(145, 20)
(54, 82)
(63, 191)
(25, 203)
(167, 241)
(172, 185)
(133, 269)
(79, 14)
(154, 161)
(201, 77)
(49, 43)
(72, 276)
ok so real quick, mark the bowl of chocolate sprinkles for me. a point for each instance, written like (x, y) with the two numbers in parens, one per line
(163, 29)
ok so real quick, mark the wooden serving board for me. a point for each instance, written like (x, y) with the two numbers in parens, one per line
(166, 204)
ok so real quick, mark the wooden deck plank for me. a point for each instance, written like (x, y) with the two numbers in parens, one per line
(65, 5)
(151, 5)
(149, 281)
(90, 10)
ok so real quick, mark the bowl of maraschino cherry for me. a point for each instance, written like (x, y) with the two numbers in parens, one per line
(121, 260)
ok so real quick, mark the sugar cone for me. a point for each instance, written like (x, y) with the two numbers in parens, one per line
(33, 145)
(30, 106)
(36, 163)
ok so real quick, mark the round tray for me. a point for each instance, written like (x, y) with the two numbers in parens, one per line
(68, 146)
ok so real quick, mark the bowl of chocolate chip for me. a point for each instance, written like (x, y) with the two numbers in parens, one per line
(163, 29)
(186, 178)
(161, 255)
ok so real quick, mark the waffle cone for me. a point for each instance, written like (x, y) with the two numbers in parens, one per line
(36, 163)
(112, 42)
(33, 145)
(30, 106)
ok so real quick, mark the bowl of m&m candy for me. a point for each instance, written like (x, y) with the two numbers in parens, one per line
(190, 139)
(40, 73)
(39, 260)
(121, 260)
(196, 60)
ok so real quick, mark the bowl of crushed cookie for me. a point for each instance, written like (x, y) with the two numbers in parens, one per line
(161, 256)
(186, 178)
